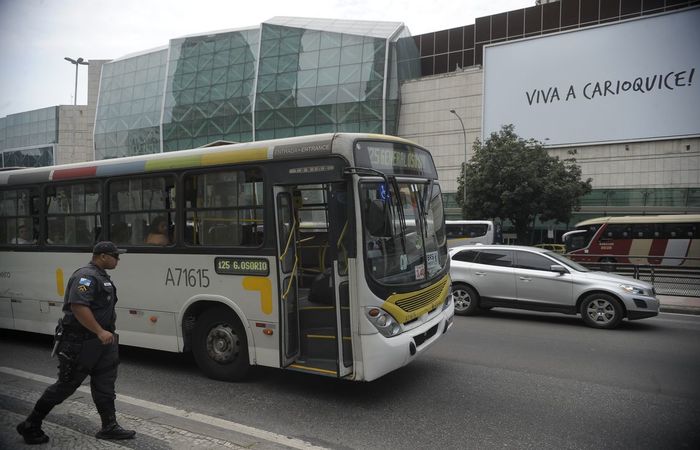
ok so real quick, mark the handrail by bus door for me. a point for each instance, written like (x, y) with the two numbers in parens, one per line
(285, 218)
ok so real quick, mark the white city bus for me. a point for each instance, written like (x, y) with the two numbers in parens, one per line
(465, 232)
(324, 254)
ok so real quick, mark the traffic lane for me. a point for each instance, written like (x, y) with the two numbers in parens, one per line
(442, 402)
(456, 396)
(659, 354)
(436, 403)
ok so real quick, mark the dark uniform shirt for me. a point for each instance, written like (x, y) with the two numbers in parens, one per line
(92, 287)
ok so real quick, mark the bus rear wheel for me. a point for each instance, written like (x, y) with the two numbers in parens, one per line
(219, 345)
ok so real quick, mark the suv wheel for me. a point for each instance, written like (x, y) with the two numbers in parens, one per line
(466, 299)
(601, 311)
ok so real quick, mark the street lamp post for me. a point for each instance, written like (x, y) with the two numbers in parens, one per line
(464, 174)
(77, 62)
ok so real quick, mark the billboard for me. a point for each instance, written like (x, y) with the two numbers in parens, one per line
(632, 80)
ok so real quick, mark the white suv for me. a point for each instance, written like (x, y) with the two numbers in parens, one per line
(486, 276)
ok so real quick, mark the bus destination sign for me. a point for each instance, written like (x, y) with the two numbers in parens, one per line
(395, 158)
(226, 265)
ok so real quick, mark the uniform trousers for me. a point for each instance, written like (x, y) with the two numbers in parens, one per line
(79, 358)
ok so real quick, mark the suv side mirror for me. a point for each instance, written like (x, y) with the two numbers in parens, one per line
(558, 269)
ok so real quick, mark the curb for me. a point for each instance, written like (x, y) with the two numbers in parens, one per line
(680, 309)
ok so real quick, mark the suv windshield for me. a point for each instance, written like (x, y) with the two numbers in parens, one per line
(404, 231)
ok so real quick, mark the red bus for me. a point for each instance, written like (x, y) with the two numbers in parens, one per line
(668, 240)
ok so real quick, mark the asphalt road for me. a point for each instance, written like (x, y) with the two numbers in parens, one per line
(502, 380)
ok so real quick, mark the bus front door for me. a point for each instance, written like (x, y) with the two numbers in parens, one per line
(287, 274)
(341, 240)
(323, 240)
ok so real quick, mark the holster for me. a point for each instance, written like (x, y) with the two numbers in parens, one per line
(57, 337)
(68, 360)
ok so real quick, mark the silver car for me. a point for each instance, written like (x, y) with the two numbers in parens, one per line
(486, 276)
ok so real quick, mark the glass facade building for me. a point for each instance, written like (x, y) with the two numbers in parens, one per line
(127, 121)
(287, 77)
(27, 139)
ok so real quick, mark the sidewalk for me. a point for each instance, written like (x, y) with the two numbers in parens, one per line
(72, 424)
(682, 305)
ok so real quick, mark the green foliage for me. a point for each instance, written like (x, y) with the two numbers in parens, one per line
(514, 179)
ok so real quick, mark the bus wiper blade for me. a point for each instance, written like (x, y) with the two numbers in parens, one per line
(426, 201)
(399, 207)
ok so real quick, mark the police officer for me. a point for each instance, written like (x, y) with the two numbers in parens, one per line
(87, 346)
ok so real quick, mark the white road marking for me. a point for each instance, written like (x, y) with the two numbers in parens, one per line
(197, 417)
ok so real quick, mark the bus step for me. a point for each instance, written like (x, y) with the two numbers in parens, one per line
(318, 366)
(319, 343)
(316, 316)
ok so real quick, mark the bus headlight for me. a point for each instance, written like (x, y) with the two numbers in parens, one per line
(632, 289)
(383, 321)
(448, 300)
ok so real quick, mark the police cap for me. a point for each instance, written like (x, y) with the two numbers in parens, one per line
(106, 247)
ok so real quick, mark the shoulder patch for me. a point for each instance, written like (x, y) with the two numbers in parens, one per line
(82, 288)
(85, 281)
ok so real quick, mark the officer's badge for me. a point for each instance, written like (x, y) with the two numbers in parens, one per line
(82, 288)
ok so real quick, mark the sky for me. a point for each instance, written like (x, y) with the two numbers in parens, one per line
(35, 35)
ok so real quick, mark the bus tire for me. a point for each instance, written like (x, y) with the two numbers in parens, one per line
(466, 299)
(601, 310)
(219, 344)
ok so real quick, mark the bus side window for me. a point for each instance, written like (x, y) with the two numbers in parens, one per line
(73, 213)
(643, 230)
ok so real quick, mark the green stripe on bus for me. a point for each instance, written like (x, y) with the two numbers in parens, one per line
(176, 162)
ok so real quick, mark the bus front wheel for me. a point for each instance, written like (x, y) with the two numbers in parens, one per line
(219, 345)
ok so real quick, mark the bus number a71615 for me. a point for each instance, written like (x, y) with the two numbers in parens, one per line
(182, 276)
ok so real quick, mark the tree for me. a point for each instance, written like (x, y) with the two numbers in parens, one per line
(514, 179)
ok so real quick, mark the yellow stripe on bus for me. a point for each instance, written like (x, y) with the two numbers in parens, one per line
(234, 156)
(60, 288)
(264, 286)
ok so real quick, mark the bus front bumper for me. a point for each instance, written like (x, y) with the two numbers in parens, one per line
(382, 355)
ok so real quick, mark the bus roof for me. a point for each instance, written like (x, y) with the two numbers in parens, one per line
(665, 218)
(276, 149)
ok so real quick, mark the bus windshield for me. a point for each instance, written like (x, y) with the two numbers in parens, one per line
(579, 238)
(404, 231)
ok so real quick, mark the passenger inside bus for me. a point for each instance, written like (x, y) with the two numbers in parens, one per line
(121, 233)
(23, 236)
(158, 232)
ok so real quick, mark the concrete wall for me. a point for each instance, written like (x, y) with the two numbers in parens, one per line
(653, 164)
(76, 123)
(425, 118)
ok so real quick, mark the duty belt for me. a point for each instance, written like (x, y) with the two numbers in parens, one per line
(73, 334)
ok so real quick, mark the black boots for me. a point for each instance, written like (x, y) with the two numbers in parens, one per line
(32, 433)
(31, 430)
(112, 430)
